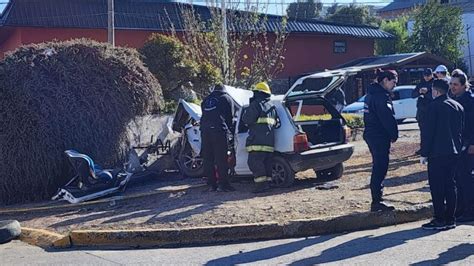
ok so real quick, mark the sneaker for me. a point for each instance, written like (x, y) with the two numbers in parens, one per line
(261, 187)
(450, 225)
(225, 188)
(381, 206)
(435, 224)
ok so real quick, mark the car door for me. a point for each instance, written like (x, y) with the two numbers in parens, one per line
(241, 134)
(404, 105)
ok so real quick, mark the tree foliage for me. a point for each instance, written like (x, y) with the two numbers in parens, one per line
(399, 44)
(254, 54)
(438, 30)
(304, 10)
(169, 60)
(352, 14)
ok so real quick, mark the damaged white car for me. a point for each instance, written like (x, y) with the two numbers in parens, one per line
(312, 135)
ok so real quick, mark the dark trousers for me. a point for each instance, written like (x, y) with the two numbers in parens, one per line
(260, 165)
(465, 183)
(441, 172)
(421, 125)
(214, 153)
(380, 150)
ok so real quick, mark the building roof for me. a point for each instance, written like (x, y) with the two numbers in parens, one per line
(421, 59)
(466, 5)
(151, 15)
(401, 4)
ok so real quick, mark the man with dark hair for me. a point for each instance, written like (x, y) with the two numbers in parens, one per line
(459, 88)
(380, 131)
(216, 125)
(422, 92)
(440, 146)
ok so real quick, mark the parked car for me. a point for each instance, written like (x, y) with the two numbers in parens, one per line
(403, 104)
(312, 134)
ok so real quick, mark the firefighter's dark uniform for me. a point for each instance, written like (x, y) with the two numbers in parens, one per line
(216, 125)
(442, 143)
(261, 118)
(464, 178)
(380, 130)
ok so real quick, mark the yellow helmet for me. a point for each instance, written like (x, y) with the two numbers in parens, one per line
(263, 87)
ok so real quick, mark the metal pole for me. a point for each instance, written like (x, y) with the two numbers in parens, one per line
(469, 50)
(111, 23)
(224, 41)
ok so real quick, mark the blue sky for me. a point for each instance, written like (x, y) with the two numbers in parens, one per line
(274, 6)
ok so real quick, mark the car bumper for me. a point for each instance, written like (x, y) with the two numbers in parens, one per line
(320, 159)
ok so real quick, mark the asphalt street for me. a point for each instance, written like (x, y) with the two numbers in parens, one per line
(395, 245)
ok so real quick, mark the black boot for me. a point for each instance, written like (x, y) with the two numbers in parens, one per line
(261, 187)
(467, 216)
(381, 206)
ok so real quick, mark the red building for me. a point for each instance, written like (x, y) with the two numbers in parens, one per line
(312, 45)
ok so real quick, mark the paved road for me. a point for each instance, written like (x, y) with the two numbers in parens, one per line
(396, 245)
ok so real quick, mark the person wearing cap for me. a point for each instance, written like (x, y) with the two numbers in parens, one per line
(459, 88)
(216, 126)
(441, 72)
(380, 131)
(262, 119)
(422, 92)
(441, 146)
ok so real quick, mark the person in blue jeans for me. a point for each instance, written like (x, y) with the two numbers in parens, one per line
(380, 131)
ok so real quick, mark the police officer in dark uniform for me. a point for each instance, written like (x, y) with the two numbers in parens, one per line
(464, 179)
(440, 148)
(216, 126)
(422, 92)
(380, 130)
(262, 119)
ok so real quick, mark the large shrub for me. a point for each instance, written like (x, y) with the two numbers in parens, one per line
(66, 95)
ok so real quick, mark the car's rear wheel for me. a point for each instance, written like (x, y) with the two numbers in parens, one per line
(282, 174)
(332, 173)
(190, 163)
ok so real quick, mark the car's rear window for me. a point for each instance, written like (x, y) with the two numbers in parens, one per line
(314, 85)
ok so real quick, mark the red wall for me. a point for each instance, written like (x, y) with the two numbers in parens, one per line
(307, 53)
(304, 53)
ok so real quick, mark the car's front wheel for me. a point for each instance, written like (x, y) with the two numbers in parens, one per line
(332, 173)
(282, 174)
(190, 163)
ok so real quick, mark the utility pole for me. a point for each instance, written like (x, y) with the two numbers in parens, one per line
(111, 23)
(224, 40)
(468, 27)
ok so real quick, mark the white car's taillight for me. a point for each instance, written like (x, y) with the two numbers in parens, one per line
(300, 142)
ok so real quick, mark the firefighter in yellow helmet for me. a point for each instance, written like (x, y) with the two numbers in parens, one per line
(262, 119)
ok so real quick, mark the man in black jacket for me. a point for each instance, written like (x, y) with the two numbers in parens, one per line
(440, 147)
(422, 92)
(380, 131)
(459, 87)
(216, 125)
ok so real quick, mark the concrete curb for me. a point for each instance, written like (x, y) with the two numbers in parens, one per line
(241, 232)
(44, 238)
(69, 206)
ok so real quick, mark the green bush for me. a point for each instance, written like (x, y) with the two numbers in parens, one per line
(354, 121)
(167, 59)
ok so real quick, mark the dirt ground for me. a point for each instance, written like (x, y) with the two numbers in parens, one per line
(406, 185)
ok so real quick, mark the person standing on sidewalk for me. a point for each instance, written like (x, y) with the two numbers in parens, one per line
(216, 125)
(440, 147)
(422, 92)
(464, 180)
(380, 131)
(262, 119)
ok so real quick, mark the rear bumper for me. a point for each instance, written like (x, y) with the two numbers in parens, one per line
(320, 159)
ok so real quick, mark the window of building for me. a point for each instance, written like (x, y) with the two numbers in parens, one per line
(339, 47)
